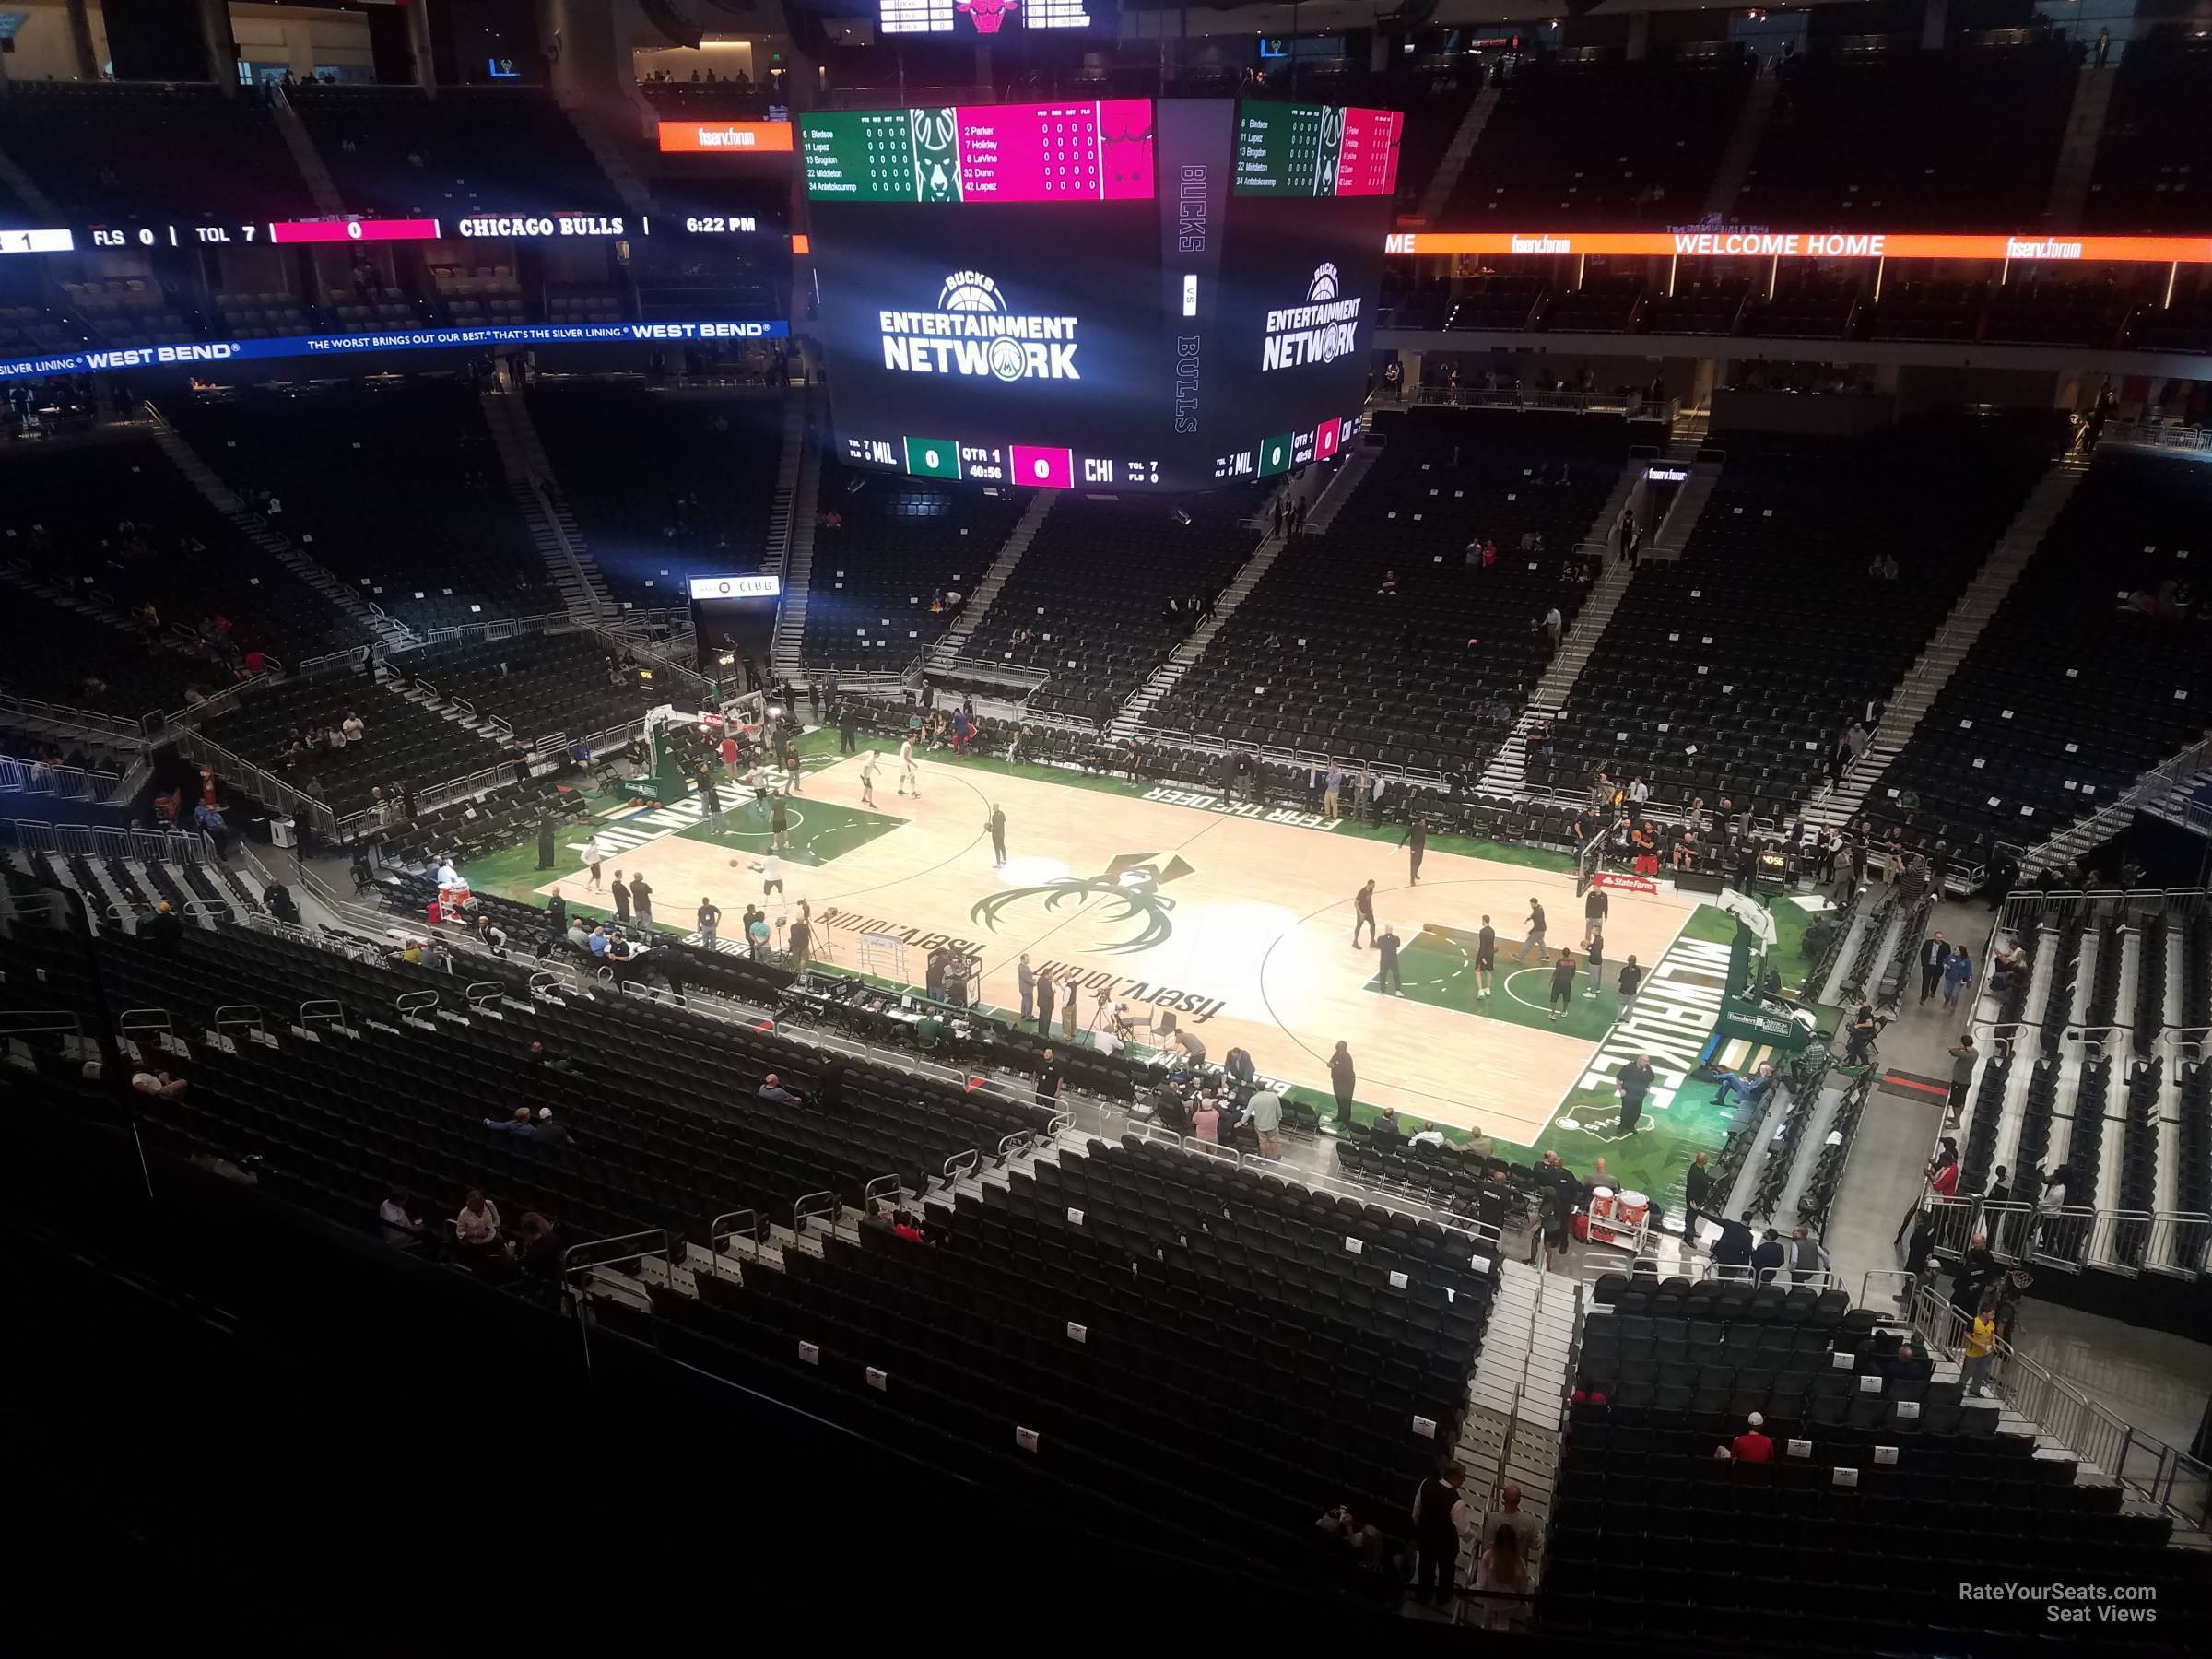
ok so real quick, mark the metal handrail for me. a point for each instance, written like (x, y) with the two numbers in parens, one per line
(84, 722)
(2073, 1236)
(19, 776)
(569, 1266)
(720, 1228)
(2094, 1432)
(801, 1213)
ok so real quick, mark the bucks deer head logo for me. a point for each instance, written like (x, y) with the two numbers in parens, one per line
(1128, 890)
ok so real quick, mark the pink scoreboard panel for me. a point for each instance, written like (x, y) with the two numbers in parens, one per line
(1366, 163)
(1049, 152)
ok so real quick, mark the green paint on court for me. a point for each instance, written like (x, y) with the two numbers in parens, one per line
(1437, 966)
(819, 832)
(1672, 1131)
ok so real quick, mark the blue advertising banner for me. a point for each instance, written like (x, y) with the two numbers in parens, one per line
(93, 360)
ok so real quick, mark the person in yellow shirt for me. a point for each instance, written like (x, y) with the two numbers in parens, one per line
(1981, 1347)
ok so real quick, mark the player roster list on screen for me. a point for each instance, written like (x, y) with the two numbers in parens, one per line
(1317, 151)
(1098, 151)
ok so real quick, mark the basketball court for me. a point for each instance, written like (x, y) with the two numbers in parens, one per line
(1240, 927)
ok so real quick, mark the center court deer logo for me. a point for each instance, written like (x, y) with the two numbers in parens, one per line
(1130, 887)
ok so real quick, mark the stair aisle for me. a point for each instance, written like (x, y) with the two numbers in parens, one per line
(1508, 766)
(1916, 693)
(1130, 716)
(1464, 141)
(947, 650)
(536, 495)
(388, 630)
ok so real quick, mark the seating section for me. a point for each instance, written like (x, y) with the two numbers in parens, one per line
(2091, 672)
(543, 684)
(1090, 594)
(663, 484)
(392, 150)
(1434, 100)
(1376, 642)
(1096, 1298)
(1726, 673)
(506, 817)
(2154, 159)
(881, 555)
(1082, 1306)
(1883, 1493)
(670, 1152)
(121, 154)
(1899, 140)
(1606, 142)
(119, 517)
(397, 490)
(407, 743)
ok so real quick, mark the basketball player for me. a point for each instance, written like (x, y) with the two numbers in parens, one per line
(1563, 983)
(1363, 913)
(1416, 842)
(906, 767)
(1486, 958)
(594, 855)
(867, 777)
(772, 875)
(779, 824)
(1535, 926)
(996, 824)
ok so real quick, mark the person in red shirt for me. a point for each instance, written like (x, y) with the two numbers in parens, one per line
(1751, 1446)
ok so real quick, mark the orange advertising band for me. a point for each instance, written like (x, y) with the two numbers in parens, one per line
(726, 137)
(1806, 244)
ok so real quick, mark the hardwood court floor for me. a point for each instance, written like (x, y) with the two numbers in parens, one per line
(1240, 927)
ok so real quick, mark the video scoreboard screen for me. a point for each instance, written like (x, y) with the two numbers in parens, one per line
(1315, 150)
(1087, 296)
(989, 17)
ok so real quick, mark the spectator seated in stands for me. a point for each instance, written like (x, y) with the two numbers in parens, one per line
(1753, 1445)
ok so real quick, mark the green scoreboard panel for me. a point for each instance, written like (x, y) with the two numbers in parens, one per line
(1278, 148)
(879, 155)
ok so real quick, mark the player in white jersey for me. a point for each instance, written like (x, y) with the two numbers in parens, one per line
(906, 769)
(867, 777)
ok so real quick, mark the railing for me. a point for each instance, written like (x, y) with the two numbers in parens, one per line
(1479, 1233)
(118, 728)
(101, 841)
(62, 783)
(2072, 1236)
(2176, 769)
(690, 679)
(256, 781)
(2141, 435)
(2165, 1476)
